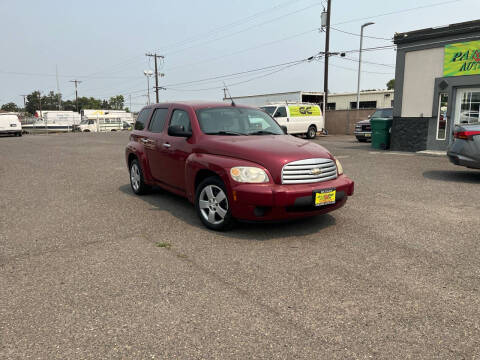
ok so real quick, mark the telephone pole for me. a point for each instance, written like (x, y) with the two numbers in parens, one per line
(156, 56)
(327, 54)
(76, 92)
(24, 102)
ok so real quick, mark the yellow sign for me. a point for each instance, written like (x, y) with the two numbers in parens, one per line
(462, 59)
(304, 110)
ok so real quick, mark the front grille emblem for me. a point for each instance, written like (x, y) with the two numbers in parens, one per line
(315, 171)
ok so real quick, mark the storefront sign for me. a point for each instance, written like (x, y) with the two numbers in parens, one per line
(462, 59)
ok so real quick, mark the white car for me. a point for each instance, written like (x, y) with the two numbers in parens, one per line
(9, 124)
(298, 118)
(101, 124)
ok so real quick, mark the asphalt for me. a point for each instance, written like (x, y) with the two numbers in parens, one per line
(394, 274)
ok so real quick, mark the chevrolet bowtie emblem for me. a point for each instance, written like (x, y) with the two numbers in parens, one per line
(315, 171)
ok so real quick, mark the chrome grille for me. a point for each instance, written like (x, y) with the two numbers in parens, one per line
(309, 171)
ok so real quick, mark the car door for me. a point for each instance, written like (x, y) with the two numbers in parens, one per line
(282, 119)
(175, 150)
(154, 142)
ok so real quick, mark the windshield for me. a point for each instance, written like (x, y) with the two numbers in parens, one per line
(269, 109)
(236, 121)
(383, 113)
(84, 122)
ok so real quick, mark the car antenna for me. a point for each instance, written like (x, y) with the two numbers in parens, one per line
(225, 91)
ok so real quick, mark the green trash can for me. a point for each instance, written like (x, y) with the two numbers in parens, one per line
(381, 133)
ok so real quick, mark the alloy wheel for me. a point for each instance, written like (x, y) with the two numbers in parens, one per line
(213, 204)
(135, 176)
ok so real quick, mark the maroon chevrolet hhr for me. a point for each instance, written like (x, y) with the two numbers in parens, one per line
(233, 162)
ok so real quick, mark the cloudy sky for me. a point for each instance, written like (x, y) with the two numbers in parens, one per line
(103, 44)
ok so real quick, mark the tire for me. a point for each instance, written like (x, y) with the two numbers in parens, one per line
(211, 204)
(136, 178)
(312, 132)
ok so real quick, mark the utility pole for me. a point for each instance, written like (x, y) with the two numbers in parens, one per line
(130, 100)
(327, 54)
(59, 95)
(360, 62)
(76, 92)
(156, 56)
(24, 102)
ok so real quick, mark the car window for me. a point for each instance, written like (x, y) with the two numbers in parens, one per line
(142, 119)
(269, 109)
(281, 112)
(383, 113)
(236, 121)
(158, 120)
(181, 118)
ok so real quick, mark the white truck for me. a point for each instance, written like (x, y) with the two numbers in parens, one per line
(122, 114)
(299, 118)
(102, 123)
(10, 124)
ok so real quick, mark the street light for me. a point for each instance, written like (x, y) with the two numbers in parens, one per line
(360, 62)
(148, 74)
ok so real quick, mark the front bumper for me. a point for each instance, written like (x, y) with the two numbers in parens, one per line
(13, 131)
(266, 202)
(363, 135)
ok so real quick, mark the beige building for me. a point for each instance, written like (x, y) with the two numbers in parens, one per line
(368, 100)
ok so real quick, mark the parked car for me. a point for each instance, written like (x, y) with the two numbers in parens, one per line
(10, 124)
(298, 118)
(465, 148)
(363, 129)
(233, 162)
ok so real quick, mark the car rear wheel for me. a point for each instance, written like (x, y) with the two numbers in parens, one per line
(212, 205)
(136, 178)
(312, 132)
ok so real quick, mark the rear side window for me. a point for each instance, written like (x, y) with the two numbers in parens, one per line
(281, 112)
(181, 118)
(158, 120)
(142, 119)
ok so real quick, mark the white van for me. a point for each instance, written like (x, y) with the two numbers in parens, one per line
(9, 124)
(101, 123)
(299, 118)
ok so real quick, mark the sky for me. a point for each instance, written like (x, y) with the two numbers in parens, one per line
(103, 44)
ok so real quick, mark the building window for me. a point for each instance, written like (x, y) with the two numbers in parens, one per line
(391, 103)
(331, 106)
(442, 117)
(363, 105)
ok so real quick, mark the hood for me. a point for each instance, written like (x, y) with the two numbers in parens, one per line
(270, 151)
(363, 122)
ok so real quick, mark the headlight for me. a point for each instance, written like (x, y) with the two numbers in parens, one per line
(247, 174)
(339, 167)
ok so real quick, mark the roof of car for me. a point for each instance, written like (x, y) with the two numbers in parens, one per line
(198, 104)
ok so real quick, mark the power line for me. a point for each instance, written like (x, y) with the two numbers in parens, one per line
(368, 62)
(397, 12)
(366, 36)
(240, 21)
(243, 30)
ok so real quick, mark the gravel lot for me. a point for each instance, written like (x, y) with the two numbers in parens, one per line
(393, 274)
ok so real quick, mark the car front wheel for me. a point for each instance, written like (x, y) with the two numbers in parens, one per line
(212, 204)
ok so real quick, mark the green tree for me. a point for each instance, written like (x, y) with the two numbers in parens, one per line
(391, 84)
(11, 106)
(116, 102)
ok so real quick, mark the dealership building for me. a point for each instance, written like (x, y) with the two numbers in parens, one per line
(437, 85)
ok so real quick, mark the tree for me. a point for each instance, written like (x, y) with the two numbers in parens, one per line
(116, 102)
(391, 84)
(11, 107)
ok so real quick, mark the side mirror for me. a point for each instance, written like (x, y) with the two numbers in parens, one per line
(285, 130)
(369, 116)
(177, 130)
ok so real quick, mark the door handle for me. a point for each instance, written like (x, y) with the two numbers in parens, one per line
(166, 145)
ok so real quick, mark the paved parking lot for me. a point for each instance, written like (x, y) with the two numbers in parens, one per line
(393, 274)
